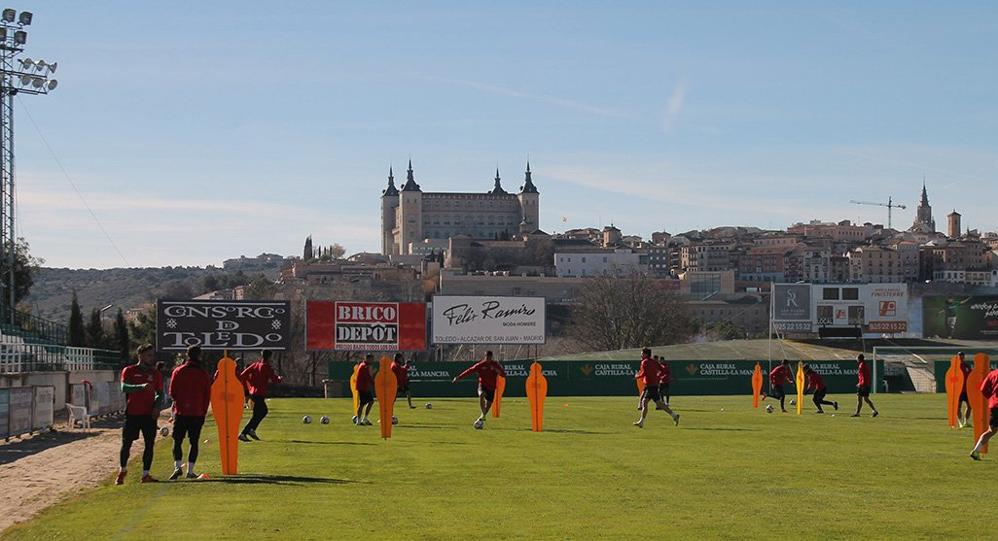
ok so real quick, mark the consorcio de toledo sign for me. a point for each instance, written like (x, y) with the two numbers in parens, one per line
(223, 325)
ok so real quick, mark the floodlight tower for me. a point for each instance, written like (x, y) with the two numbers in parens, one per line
(27, 77)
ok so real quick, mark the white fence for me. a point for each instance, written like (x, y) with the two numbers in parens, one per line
(100, 398)
(24, 410)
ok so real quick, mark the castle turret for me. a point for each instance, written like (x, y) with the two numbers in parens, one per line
(389, 203)
(410, 213)
(529, 199)
(954, 224)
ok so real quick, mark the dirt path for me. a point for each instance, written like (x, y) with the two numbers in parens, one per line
(38, 472)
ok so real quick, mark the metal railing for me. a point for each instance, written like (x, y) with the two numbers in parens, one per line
(28, 325)
(23, 357)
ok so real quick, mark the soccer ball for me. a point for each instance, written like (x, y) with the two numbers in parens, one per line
(353, 419)
(164, 432)
(429, 406)
(306, 419)
(324, 420)
(793, 401)
(479, 424)
(395, 420)
(769, 408)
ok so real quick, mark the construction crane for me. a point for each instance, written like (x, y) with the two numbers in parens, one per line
(890, 204)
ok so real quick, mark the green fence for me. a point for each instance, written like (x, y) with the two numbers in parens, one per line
(611, 378)
(940, 368)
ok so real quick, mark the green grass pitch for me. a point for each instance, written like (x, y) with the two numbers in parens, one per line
(738, 473)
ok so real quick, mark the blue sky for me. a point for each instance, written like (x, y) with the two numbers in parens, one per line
(198, 132)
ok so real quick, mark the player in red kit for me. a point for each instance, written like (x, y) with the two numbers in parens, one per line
(257, 377)
(666, 379)
(401, 370)
(816, 385)
(365, 390)
(143, 388)
(651, 374)
(488, 370)
(963, 418)
(190, 388)
(864, 381)
(989, 388)
(777, 377)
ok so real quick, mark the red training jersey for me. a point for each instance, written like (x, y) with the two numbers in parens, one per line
(665, 373)
(650, 373)
(401, 372)
(488, 372)
(258, 376)
(190, 388)
(364, 379)
(863, 374)
(780, 374)
(142, 402)
(815, 382)
(989, 388)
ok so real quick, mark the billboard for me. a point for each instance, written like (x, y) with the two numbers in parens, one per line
(365, 326)
(223, 325)
(876, 308)
(19, 412)
(488, 320)
(963, 317)
(43, 416)
(792, 307)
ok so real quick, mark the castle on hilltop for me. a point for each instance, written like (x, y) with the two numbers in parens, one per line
(410, 216)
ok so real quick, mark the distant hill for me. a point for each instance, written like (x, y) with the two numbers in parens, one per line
(52, 292)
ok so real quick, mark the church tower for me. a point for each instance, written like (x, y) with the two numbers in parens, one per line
(923, 215)
(410, 213)
(529, 204)
(389, 202)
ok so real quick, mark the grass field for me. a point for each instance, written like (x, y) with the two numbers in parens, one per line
(734, 473)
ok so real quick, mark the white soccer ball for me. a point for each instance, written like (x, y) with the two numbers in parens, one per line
(429, 406)
(324, 420)
(479, 424)
(793, 401)
(164, 432)
(306, 419)
(769, 408)
(395, 420)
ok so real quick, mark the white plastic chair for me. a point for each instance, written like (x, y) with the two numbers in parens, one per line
(78, 413)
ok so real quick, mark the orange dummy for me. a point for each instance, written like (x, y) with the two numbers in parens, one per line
(979, 406)
(353, 388)
(497, 403)
(954, 387)
(800, 386)
(385, 388)
(537, 391)
(227, 408)
(756, 385)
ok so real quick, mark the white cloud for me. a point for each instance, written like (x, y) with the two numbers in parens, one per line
(674, 106)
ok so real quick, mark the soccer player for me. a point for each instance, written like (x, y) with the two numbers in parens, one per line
(777, 377)
(963, 418)
(816, 384)
(401, 370)
(143, 388)
(190, 388)
(651, 374)
(864, 380)
(488, 370)
(365, 390)
(989, 388)
(257, 377)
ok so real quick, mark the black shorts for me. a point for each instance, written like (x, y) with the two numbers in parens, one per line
(777, 392)
(993, 421)
(863, 391)
(187, 426)
(366, 397)
(139, 424)
(489, 394)
(819, 394)
(651, 394)
(403, 389)
(963, 397)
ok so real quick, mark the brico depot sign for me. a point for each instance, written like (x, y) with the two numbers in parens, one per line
(365, 326)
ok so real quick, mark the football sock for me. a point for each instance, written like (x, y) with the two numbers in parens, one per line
(190, 467)
(177, 464)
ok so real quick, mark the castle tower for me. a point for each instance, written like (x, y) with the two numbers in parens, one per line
(410, 213)
(953, 221)
(389, 202)
(529, 204)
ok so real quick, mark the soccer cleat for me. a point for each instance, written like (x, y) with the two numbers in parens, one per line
(875, 413)
(149, 479)
(243, 437)
(836, 405)
(639, 424)
(676, 419)
(120, 480)
(354, 419)
(820, 411)
(366, 422)
(975, 455)
(252, 434)
(192, 475)
(176, 474)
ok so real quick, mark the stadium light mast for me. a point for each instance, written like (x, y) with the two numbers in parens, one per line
(26, 76)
